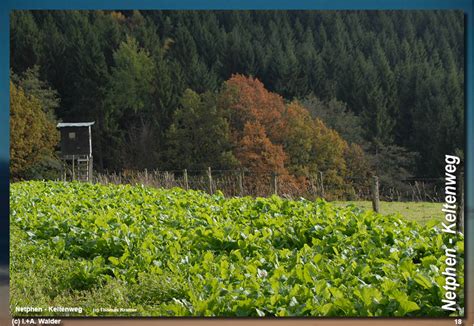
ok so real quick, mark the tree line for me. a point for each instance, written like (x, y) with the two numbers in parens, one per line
(296, 92)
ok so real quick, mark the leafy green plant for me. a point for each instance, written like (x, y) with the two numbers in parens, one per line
(186, 253)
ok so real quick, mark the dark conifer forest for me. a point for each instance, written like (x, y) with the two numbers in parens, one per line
(346, 92)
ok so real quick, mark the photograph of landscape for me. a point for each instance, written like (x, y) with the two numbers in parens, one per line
(237, 163)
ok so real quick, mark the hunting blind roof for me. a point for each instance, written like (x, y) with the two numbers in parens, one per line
(74, 124)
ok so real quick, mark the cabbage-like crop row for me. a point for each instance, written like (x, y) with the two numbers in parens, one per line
(187, 253)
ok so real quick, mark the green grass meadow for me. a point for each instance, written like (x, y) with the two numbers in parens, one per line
(421, 212)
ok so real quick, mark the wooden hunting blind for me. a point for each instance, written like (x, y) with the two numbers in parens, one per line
(76, 150)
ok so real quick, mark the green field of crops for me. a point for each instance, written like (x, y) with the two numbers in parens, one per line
(186, 253)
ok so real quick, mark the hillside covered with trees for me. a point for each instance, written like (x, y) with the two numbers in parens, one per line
(346, 93)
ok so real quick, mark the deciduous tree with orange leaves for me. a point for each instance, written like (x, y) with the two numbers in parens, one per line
(257, 153)
(248, 100)
(271, 136)
(256, 124)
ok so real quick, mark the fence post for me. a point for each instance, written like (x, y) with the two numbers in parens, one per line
(375, 194)
(63, 171)
(185, 175)
(241, 182)
(275, 183)
(209, 175)
(90, 172)
(73, 167)
(146, 176)
(322, 184)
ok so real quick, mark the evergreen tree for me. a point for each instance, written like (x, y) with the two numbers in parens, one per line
(25, 41)
(33, 86)
(199, 136)
(131, 110)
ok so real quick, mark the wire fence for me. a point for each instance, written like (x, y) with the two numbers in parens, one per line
(263, 184)
(415, 189)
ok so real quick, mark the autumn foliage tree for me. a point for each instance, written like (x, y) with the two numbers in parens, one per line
(271, 136)
(328, 153)
(312, 147)
(298, 134)
(33, 136)
(257, 153)
(256, 120)
(248, 100)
